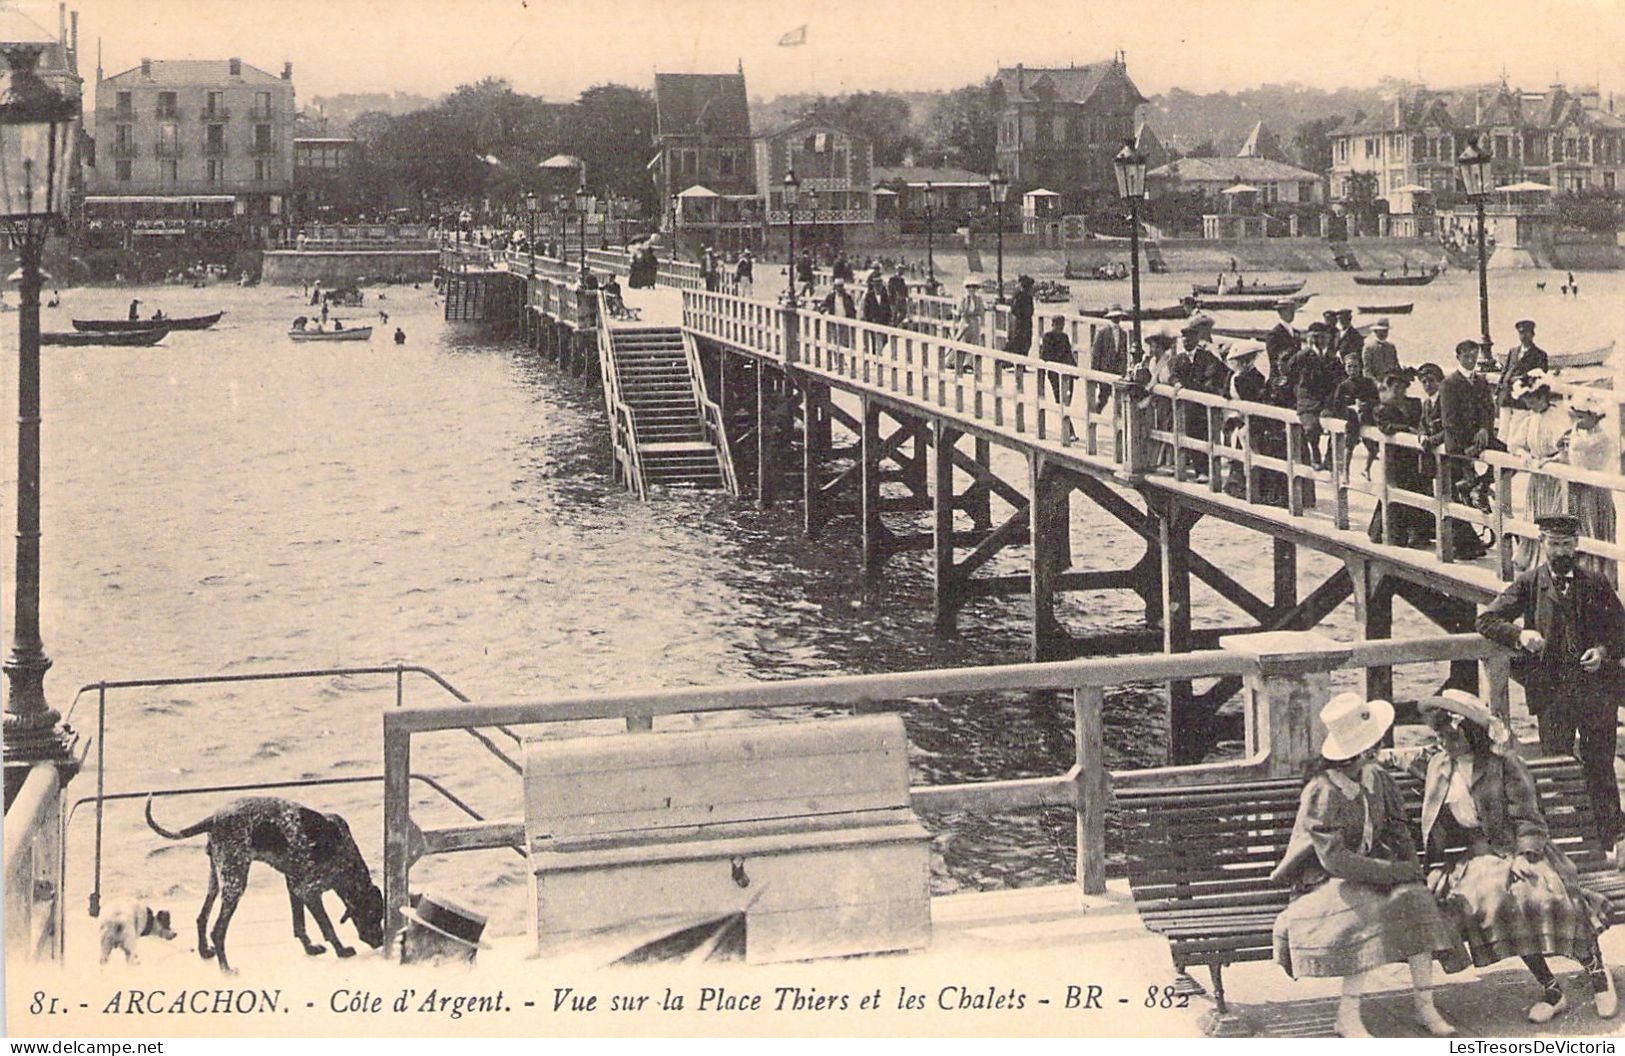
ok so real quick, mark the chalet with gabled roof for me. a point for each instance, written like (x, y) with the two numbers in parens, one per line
(1060, 127)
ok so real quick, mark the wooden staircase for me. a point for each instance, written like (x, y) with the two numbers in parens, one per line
(672, 429)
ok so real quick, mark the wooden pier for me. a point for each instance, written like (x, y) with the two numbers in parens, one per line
(924, 412)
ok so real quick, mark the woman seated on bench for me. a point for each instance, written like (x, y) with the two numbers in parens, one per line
(1358, 899)
(1510, 892)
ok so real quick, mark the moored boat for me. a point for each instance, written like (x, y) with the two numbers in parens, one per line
(1249, 304)
(1241, 333)
(1396, 280)
(151, 335)
(1255, 289)
(1174, 311)
(186, 322)
(1595, 357)
(359, 333)
(1388, 309)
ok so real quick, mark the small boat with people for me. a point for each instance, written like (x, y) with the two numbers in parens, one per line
(303, 331)
(1387, 309)
(1385, 279)
(1048, 291)
(149, 335)
(1112, 272)
(185, 322)
(1253, 289)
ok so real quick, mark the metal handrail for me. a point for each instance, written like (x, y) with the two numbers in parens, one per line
(1085, 787)
(94, 899)
(398, 670)
(710, 413)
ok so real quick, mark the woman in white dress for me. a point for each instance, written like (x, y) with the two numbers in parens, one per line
(1540, 438)
(1589, 448)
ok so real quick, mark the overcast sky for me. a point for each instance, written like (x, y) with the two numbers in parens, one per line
(556, 48)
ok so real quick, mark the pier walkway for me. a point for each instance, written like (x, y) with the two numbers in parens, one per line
(920, 413)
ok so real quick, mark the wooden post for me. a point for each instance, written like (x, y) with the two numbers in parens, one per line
(942, 506)
(814, 449)
(1374, 619)
(1051, 531)
(1286, 574)
(869, 509)
(397, 827)
(1174, 547)
(1284, 694)
(978, 497)
(1093, 787)
(765, 435)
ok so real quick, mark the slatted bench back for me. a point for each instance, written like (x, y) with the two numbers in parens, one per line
(601, 791)
(1206, 853)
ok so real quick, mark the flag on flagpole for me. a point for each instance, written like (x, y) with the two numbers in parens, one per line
(794, 37)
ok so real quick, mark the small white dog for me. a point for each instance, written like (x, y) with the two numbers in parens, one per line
(125, 925)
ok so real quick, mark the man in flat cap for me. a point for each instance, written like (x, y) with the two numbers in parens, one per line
(1283, 340)
(1573, 628)
(1521, 360)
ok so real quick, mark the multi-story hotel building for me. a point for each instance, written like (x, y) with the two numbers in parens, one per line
(187, 140)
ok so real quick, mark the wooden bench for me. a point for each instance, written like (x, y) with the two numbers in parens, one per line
(1199, 859)
(801, 829)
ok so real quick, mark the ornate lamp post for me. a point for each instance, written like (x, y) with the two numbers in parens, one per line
(1473, 166)
(532, 203)
(792, 188)
(605, 221)
(930, 258)
(37, 130)
(998, 186)
(1130, 168)
(581, 219)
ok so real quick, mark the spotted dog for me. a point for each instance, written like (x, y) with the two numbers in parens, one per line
(313, 852)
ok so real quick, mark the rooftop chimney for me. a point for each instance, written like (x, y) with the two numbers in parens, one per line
(62, 22)
(146, 68)
(74, 39)
(236, 67)
(287, 71)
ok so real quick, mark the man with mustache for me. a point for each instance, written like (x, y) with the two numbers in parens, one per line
(1573, 631)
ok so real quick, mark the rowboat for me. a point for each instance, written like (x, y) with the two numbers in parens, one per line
(1175, 311)
(1395, 280)
(1249, 304)
(187, 322)
(1596, 357)
(1388, 309)
(1241, 333)
(360, 333)
(1255, 289)
(149, 336)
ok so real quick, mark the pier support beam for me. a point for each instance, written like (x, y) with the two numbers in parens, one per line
(1050, 527)
(815, 435)
(766, 436)
(1374, 619)
(1174, 547)
(873, 530)
(946, 596)
(978, 498)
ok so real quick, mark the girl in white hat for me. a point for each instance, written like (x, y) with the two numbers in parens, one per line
(1358, 898)
(1510, 892)
(1540, 438)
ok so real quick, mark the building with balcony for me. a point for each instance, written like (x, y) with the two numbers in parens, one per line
(702, 140)
(836, 169)
(190, 134)
(321, 173)
(1568, 140)
(1060, 128)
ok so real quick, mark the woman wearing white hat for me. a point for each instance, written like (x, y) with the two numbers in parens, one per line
(1538, 437)
(971, 311)
(1589, 448)
(1358, 898)
(1511, 892)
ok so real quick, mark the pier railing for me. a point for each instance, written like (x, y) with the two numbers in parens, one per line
(1254, 454)
(1285, 676)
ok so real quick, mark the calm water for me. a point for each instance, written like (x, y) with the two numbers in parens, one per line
(233, 502)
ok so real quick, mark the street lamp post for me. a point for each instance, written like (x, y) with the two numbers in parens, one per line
(999, 187)
(676, 226)
(531, 205)
(1130, 167)
(581, 219)
(930, 259)
(1474, 168)
(37, 130)
(792, 187)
